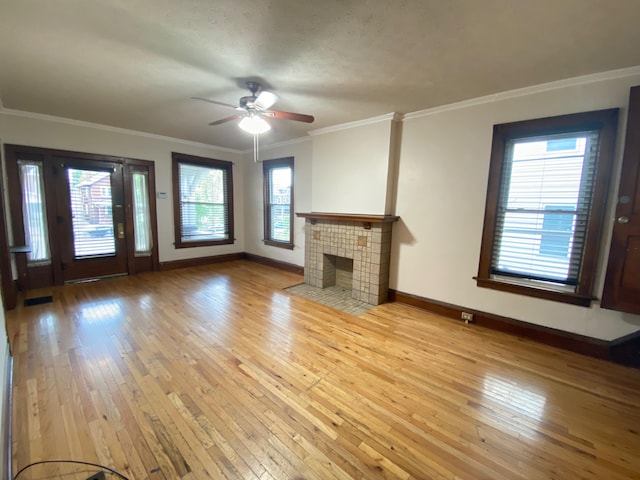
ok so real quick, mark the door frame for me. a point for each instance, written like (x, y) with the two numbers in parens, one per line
(79, 268)
(618, 294)
(52, 275)
(9, 294)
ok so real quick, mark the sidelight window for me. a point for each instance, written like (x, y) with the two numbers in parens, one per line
(34, 212)
(143, 239)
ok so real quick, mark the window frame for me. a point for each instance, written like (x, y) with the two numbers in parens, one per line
(606, 122)
(181, 158)
(267, 167)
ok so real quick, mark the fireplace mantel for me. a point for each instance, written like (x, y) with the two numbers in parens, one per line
(366, 220)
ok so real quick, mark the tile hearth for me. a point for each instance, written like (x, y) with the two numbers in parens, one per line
(335, 297)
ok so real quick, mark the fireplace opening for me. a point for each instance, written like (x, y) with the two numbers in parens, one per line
(337, 271)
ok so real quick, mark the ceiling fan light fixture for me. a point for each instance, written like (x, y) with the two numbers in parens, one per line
(254, 124)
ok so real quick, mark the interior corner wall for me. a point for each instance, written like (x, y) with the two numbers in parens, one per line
(50, 133)
(350, 169)
(301, 152)
(442, 183)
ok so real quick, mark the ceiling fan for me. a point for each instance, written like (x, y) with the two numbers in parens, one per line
(252, 108)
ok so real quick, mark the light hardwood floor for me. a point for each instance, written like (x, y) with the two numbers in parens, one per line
(216, 372)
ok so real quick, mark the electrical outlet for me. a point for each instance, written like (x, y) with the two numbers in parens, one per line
(467, 317)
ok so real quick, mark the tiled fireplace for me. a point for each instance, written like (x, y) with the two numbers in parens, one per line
(351, 251)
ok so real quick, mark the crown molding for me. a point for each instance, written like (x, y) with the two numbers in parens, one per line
(393, 116)
(108, 128)
(520, 92)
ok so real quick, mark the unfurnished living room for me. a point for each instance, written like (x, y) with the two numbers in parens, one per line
(342, 239)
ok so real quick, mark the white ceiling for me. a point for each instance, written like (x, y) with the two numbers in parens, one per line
(135, 63)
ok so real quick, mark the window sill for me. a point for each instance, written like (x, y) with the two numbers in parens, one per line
(271, 243)
(531, 291)
(204, 243)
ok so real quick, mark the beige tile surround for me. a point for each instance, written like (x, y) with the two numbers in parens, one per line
(328, 242)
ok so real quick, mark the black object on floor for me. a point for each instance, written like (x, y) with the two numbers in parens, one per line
(28, 302)
(97, 476)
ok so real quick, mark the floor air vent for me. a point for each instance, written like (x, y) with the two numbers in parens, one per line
(29, 302)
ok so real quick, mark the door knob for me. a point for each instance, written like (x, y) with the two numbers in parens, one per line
(623, 219)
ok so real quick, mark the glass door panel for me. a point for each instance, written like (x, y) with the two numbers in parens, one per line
(91, 213)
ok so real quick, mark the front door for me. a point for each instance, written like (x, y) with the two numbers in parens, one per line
(622, 282)
(90, 218)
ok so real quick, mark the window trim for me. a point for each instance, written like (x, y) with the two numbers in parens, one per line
(603, 120)
(182, 158)
(268, 165)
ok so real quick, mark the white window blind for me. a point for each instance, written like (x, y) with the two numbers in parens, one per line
(204, 202)
(543, 208)
(141, 214)
(34, 212)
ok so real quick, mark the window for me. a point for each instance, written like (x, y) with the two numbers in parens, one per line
(203, 201)
(33, 212)
(547, 190)
(91, 212)
(143, 239)
(278, 202)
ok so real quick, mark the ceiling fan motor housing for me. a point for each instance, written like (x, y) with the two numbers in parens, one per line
(248, 102)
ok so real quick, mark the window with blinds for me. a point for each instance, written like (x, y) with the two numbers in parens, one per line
(545, 203)
(91, 213)
(278, 202)
(203, 201)
(545, 198)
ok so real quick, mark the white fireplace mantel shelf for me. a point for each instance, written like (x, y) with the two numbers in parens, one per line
(366, 220)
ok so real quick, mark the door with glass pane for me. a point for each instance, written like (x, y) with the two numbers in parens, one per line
(79, 215)
(91, 218)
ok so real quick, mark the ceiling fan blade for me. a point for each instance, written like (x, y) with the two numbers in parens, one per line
(214, 102)
(225, 120)
(298, 117)
(265, 100)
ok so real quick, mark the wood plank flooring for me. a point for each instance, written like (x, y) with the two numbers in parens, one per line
(216, 372)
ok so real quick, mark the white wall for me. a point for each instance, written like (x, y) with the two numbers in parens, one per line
(442, 181)
(40, 131)
(254, 212)
(351, 168)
